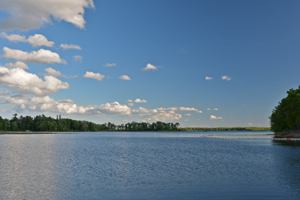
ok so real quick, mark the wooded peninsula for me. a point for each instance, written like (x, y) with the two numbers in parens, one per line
(41, 123)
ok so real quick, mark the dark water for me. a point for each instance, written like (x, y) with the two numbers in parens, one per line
(146, 166)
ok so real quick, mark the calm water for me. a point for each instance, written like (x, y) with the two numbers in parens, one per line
(146, 166)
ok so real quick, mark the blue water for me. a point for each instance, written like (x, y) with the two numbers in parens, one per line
(146, 165)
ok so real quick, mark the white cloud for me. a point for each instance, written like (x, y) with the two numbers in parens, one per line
(109, 65)
(14, 37)
(140, 101)
(77, 58)
(208, 78)
(129, 101)
(130, 104)
(93, 75)
(250, 124)
(70, 46)
(227, 78)
(39, 40)
(187, 109)
(149, 67)
(35, 40)
(41, 56)
(114, 108)
(125, 77)
(212, 109)
(214, 117)
(17, 64)
(32, 14)
(161, 114)
(188, 114)
(190, 109)
(27, 83)
(66, 106)
(53, 72)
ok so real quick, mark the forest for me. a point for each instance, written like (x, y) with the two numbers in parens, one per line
(43, 123)
(225, 129)
(286, 115)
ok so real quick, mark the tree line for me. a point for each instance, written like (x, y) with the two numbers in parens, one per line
(286, 115)
(226, 129)
(43, 123)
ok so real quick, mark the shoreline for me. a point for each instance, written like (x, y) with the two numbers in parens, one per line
(58, 132)
(289, 134)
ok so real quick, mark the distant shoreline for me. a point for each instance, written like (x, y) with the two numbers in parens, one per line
(57, 132)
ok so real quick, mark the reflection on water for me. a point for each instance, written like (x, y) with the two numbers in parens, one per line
(146, 165)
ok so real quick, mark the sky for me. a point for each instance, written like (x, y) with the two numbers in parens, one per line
(200, 63)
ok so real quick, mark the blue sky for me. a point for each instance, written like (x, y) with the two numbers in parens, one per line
(188, 47)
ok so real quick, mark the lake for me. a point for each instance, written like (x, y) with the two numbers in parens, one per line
(147, 165)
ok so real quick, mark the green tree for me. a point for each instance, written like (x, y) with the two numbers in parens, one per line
(286, 116)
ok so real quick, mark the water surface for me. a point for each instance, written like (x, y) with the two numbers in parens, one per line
(147, 165)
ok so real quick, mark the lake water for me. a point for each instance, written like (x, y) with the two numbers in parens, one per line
(147, 165)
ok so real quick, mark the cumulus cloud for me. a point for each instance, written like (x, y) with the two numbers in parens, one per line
(125, 77)
(41, 56)
(149, 67)
(14, 37)
(227, 78)
(188, 114)
(70, 46)
(110, 65)
(189, 109)
(129, 101)
(39, 40)
(130, 104)
(53, 72)
(140, 101)
(208, 78)
(162, 114)
(214, 117)
(27, 83)
(93, 75)
(212, 109)
(114, 108)
(17, 64)
(35, 40)
(65, 106)
(32, 14)
(77, 58)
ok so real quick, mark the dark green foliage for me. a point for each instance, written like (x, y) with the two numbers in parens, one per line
(43, 123)
(286, 116)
